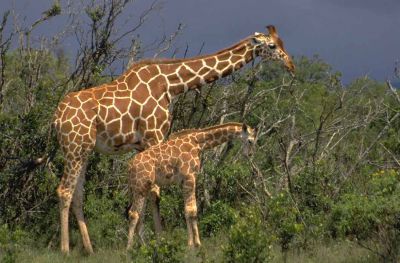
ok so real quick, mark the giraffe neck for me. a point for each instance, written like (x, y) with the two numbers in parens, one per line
(211, 137)
(193, 73)
(172, 77)
(188, 74)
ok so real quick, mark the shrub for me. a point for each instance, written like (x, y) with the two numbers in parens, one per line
(217, 217)
(171, 206)
(224, 180)
(248, 239)
(313, 188)
(106, 221)
(168, 249)
(283, 217)
(372, 217)
(11, 242)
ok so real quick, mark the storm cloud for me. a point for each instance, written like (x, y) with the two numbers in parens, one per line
(357, 37)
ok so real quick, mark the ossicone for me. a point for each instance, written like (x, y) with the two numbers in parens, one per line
(272, 30)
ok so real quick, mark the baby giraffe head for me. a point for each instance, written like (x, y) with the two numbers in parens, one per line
(271, 47)
(248, 137)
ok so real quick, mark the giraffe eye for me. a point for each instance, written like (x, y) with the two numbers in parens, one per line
(271, 45)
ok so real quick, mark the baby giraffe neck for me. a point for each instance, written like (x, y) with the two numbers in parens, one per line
(211, 137)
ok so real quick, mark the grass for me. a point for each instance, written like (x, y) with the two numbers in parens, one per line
(333, 252)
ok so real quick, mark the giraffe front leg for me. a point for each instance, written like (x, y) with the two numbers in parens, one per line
(189, 191)
(135, 212)
(77, 203)
(196, 236)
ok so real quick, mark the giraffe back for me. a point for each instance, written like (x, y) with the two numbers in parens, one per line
(167, 162)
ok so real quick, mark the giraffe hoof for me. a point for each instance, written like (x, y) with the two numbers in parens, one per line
(89, 251)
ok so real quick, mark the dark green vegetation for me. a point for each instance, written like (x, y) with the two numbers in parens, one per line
(322, 186)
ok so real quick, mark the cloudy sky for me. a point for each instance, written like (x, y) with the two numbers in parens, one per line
(356, 37)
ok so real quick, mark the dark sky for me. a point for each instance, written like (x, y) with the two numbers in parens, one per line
(357, 37)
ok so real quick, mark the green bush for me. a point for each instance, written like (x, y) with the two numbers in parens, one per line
(172, 206)
(225, 178)
(372, 217)
(167, 248)
(217, 217)
(313, 188)
(11, 242)
(248, 239)
(284, 219)
(105, 217)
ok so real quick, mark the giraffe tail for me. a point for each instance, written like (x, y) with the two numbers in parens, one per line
(51, 148)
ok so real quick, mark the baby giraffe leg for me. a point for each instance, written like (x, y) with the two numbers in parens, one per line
(196, 236)
(189, 191)
(134, 215)
(140, 225)
(155, 202)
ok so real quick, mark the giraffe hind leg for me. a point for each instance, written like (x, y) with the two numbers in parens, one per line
(191, 212)
(136, 215)
(76, 133)
(155, 201)
(65, 198)
(77, 204)
(65, 191)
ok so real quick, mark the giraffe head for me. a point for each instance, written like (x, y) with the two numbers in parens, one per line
(248, 137)
(271, 47)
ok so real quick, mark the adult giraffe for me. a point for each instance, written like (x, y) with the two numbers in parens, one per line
(132, 112)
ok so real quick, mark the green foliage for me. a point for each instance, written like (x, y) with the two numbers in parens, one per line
(23, 189)
(11, 243)
(284, 218)
(301, 215)
(228, 180)
(372, 215)
(106, 219)
(54, 10)
(167, 248)
(313, 189)
(217, 217)
(95, 13)
(248, 239)
(172, 207)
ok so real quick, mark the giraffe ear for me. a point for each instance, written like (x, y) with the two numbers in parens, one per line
(272, 31)
(256, 130)
(244, 128)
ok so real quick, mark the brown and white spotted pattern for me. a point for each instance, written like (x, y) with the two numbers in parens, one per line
(177, 161)
(132, 112)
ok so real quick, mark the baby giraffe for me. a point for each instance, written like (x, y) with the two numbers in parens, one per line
(178, 161)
